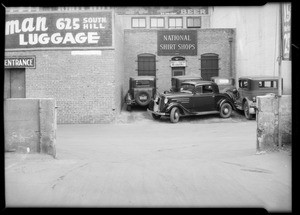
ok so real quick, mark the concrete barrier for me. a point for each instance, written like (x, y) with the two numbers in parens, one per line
(271, 120)
(30, 125)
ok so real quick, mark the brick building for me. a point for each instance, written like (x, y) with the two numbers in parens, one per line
(83, 57)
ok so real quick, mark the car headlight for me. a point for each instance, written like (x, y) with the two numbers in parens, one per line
(254, 99)
(166, 100)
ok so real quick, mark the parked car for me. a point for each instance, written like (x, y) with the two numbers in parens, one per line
(176, 81)
(249, 88)
(194, 98)
(141, 90)
(224, 84)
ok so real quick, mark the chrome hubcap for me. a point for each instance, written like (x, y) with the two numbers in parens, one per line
(226, 110)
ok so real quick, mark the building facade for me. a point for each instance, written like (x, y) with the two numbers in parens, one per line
(84, 57)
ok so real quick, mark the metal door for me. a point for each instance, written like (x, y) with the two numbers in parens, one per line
(17, 83)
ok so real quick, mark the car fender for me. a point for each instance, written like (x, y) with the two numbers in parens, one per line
(222, 101)
(248, 100)
(182, 109)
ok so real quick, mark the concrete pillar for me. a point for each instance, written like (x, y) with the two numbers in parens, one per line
(267, 117)
(30, 125)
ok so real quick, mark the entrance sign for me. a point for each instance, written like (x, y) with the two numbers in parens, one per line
(177, 42)
(20, 62)
(58, 30)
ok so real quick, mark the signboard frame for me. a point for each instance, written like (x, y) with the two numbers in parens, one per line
(112, 46)
(177, 42)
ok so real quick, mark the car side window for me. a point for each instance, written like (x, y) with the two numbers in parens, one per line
(243, 84)
(207, 89)
(198, 89)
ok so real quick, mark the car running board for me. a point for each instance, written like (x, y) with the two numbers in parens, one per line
(205, 112)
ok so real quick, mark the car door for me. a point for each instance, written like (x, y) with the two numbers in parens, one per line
(203, 99)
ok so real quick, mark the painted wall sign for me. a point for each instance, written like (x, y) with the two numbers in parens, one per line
(20, 62)
(162, 11)
(177, 42)
(286, 30)
(58, 30)
(178, 63)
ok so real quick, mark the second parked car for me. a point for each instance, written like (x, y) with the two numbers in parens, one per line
(252, 86)
(194, 98)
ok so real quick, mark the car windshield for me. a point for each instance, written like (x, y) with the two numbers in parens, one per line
(188, 88)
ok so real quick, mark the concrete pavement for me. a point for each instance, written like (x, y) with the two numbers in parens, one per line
(138, 162)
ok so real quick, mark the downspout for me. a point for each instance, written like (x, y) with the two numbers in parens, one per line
(230, 39)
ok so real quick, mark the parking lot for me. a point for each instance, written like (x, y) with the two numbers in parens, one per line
(203, 161)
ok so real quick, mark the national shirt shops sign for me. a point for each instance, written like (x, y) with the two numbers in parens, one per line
(177, 42)
(56, 30)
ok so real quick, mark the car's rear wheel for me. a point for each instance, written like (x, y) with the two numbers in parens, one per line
(247, 111)
(155, 116)
(175, 115)
(225, 110)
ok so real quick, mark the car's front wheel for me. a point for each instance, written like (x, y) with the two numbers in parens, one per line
(175, 115)
(225, 110)
(155, 116)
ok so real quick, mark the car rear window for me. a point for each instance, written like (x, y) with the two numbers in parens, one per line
(143, 83)
(222, 81)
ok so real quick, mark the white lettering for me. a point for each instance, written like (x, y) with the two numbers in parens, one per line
(93, 37)
(22, 42)
(27, 25)
(69, 38)
(41, 24)
(12, 27)
(56, 38)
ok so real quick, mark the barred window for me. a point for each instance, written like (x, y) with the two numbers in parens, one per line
(209, 66)
(146, 65)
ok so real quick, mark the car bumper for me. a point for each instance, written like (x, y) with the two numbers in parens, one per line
(252, 108)
(157, 113)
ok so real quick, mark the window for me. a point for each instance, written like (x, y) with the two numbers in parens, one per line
(267, 84)
(207, 89)
(157, 22)
(175, 22)
(193, 22)
(198, 89)
(209, 66)
(146, 65)
(243, 83)
(139, 22)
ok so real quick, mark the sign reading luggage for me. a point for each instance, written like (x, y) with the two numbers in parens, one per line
(20, 62)
(177, 42)
(58, 30)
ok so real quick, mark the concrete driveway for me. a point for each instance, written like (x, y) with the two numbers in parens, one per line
(138, 162)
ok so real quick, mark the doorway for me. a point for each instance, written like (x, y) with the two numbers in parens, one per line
(14, 83)
(177, 71)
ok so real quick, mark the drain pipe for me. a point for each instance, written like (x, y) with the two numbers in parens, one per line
(230, 39)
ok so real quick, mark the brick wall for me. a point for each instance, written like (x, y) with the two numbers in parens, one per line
(145, 41)
(82, 85)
